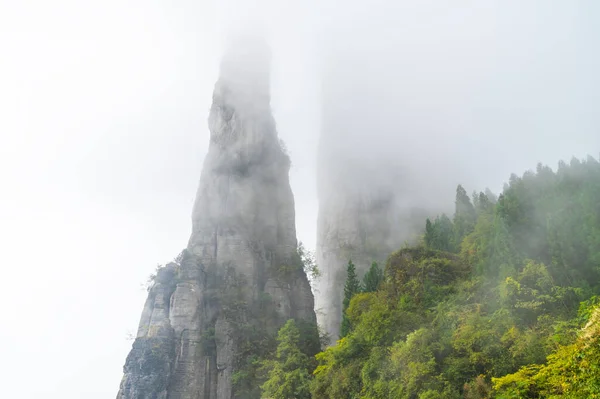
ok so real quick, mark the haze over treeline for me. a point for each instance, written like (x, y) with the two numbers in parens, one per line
(465, 94)
(104, 130)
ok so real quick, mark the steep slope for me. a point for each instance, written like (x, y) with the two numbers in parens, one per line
(240, 277)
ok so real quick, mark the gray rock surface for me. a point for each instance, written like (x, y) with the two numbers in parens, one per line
(240, 270)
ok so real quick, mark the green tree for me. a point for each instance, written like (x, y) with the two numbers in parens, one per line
(465, 215)
(351, 288)
(373, 279)
(572, 371)
(429, 233)
(289, 373)
(482, 203)
(439, 234)
(487, 308)
(411, 363)
(307, 258)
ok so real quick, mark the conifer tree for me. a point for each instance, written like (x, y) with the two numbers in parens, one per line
(465, 216)
(351, 288)
(288, 373)
(491, 196)
(373, 278)
(485, 204)
(439, 234)
(429, 233)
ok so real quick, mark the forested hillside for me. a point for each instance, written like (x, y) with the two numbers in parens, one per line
(497, 301)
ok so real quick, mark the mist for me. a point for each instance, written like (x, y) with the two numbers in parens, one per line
(104, 129)
(441, 96)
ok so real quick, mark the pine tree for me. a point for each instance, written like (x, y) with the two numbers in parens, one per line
(288, 374)
(502, 260)
(439, 234)
(491, 196)
(429, 233)
(482, 203)
(465, 216)
(373, 278)
(351, 288)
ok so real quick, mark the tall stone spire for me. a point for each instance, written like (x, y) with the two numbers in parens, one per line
(240, 277)
(365, 200)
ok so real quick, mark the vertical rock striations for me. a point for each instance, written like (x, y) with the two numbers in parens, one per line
(240, 277)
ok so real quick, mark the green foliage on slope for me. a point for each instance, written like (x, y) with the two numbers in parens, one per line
(351, 288)
(289, 372)
(572, 371)
(498, 302)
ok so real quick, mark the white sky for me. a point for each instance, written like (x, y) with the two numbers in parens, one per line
(103, 108)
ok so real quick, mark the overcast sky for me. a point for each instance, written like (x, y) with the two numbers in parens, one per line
(103, 110)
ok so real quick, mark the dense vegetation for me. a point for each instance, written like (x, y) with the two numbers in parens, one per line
(496, 302)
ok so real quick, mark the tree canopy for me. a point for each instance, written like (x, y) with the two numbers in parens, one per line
(499, 301)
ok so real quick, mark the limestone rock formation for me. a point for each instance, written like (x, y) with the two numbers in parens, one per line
(240, 277)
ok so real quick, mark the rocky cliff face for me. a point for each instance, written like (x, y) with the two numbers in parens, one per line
(240, 277)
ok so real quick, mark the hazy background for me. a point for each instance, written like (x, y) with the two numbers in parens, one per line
(432, 95)
(103, 108)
